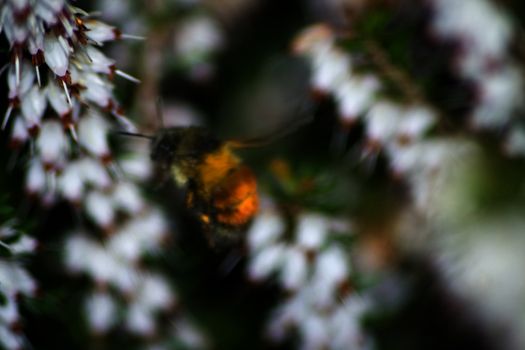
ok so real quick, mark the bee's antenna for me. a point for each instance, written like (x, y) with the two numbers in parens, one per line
(158, 108)
(125, 133)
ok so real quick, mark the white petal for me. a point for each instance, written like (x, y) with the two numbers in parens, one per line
(139, 320)
(266, 228)
(36, 178)
(101, 312)
(27, 79)
(154, 293)
(100, 32)
(57, 99)
(127, 197)
(99, 62)
(56, 57)
(52, 143)
(312, 230)
(33, 106)
(92, 134)
(94, 173)
(100, 208)
(295, 269)
(265, 262)
(19, 132)
(70, 182)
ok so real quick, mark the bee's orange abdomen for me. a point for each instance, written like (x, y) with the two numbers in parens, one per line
(235, 200)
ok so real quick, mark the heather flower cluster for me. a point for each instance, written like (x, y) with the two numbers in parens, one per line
(396, 129)
(15, 281)
(483, 33)
(59, 87)
(316, 270)
(60, 93)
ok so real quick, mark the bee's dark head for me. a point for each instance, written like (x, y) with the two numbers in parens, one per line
(178, 143)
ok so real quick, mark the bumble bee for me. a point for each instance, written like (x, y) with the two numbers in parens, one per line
(219, 188)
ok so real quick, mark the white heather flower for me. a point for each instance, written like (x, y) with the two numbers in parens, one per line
(499, 97)
(416, 120)
(57, 99)
(330, 69)
(331, 270)
(98, 90)
(36, 178)
(136, 166)
(140, 320)
(100, 32)
(154, 293)
(99, 62)
(101, 311)
(344, 323)
(295, 269)
(23, 245)
(10, 340)
(267, 261)
(127, 197)
(92, 134)
(19, 133)
(355, 95)
(19, 86)
(33, 106)
(311, 231)
(52, 143)
(9, 311)
(197, 37)
(15, 279)
(382, 122)
(56, 55)
(70, 182)
(266, 228)
(141, 235)
(485, 33)
(315, 332)
(94, 173)
(100, 208)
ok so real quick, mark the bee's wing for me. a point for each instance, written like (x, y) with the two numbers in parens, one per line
(264, 140)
